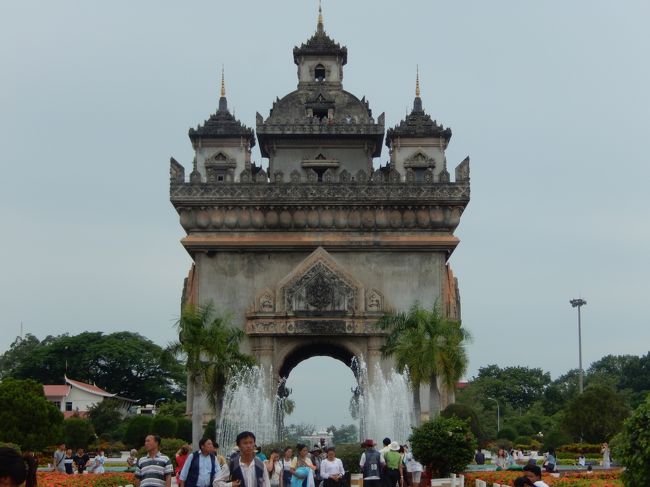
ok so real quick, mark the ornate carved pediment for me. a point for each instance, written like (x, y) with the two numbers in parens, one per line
(220, 160)
(420, 159)
(319, 285)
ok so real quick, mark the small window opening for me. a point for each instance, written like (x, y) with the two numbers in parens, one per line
(419, 174)
(219, 178)
(320, 113)
(319, 73)
(68, 406)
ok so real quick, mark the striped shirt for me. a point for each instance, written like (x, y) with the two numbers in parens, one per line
(153, 472)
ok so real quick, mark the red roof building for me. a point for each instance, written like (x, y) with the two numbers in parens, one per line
(76, 397)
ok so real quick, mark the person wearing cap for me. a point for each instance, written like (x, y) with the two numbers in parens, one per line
(371, 463)
(393, 464)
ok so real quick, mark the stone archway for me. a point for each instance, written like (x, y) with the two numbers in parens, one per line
(317, 309)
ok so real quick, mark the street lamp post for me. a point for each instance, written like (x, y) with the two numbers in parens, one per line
(579, 303)
(498, 414)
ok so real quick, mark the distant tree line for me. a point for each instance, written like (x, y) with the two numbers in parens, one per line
(122, 363)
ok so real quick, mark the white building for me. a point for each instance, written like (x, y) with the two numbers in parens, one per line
(75, 397)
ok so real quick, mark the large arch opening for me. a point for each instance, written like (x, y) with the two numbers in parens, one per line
(321, 383)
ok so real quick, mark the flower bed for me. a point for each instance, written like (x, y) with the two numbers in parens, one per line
(606, 478)
(56, 479)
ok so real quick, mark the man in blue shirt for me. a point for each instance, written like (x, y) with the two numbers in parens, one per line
(201, 466)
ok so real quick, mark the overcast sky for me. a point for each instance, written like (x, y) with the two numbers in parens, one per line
(549, 99)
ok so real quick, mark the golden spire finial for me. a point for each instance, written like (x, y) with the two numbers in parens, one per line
(223, 83)
(320, 16)
(417, 81)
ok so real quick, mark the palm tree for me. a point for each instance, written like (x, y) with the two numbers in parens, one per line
(210, 347)
(429, 346)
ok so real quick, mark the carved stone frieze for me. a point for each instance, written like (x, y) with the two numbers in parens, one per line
(323, 327)
(186, 193)
(340, 218)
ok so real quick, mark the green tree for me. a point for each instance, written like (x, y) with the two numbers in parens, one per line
(346, 433)
(26, 417)
(293, 433)
(596, 415)
(210, 349)
(106, 416)
(123, 363)
(632, 446)
(79, 432)
(445, 445)
(138, 428)
(164, 426)
(559, 392)
(175, 409)
(518, 386)
(429, 346)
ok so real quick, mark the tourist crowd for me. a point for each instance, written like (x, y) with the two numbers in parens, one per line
(247, 466)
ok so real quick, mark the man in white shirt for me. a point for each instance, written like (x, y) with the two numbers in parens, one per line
(200, 467)
(245, 470)
(534, 473)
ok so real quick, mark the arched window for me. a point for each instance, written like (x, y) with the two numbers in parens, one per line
(319, 72)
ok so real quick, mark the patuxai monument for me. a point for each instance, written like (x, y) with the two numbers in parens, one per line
(308, 248)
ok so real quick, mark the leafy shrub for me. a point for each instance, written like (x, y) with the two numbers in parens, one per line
(26, 417)
(164, 426)
(555, 438)
(10, 445)
(503, 443)
(184, 429)
(531, 444)
(138, 428)
(350, 454)
(445, 445)
(508, 433)
(78, 432)
(461, 411)
(111, 448)
(632, 446)
(580, 448)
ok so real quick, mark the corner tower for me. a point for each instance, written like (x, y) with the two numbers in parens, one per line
(418, 143)
(222, 145)
(320, 131)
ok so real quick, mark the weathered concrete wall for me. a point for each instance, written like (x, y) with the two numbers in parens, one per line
(232, 280)
(352, 158)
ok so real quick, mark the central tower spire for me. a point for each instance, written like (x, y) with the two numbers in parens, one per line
(320, 27)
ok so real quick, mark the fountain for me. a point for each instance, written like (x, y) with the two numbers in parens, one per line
(248, 405)
(385, 406)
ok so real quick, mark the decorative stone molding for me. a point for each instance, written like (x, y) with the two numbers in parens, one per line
(176, 171)
(462, 170)
(323, 327)
(419, 159)
(265, 302)
(341, 218)
(319, 283)
(374, 301)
